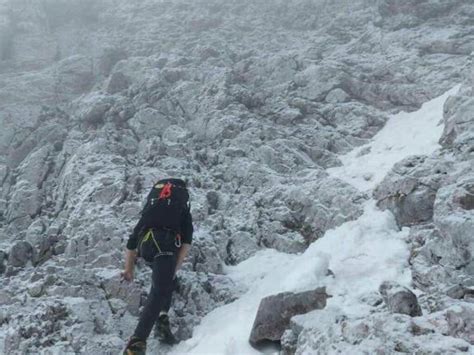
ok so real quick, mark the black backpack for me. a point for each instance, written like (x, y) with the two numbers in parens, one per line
(162, 217)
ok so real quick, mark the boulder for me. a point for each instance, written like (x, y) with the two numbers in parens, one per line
(20, 253)
(274, 313)
(108, 58)
(128, 292)
(91, 109)
(316, 81)
(454, 218)
(400, 299)
(461, 322)
(36, 289)
(458, 122)
(25, 202)
(240, 246)
(76, 75)
(212, 198)
(409, 190)
(117, 82)
(337, 96)
(148, 123)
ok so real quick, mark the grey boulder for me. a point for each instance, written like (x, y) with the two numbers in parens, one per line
(20, 253)
(400, 299)
(274, 313)
(409, 190)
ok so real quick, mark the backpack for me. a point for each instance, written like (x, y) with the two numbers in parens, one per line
(162, 217)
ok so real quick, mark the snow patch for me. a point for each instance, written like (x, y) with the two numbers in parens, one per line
(405, 134)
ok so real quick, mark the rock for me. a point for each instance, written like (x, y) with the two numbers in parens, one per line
(212, 201)
(175, 134)
(117, 82)
(337, 95)
(315, 82)
(36, 289)
(35, 167)
(274, 313)
(109, 57)
(409, 190)
(458, 122)
(289, 342)
(430, 253)
(400, 299)
(117, 305)
(204, 256)
(197, 295)
(129, 292)
(454, 218)
(240, 246)
(288, 116)
(460, 292)
(461, 322)
(6, 298)
(20, 254)
(76, 74)
(149, 122)
(25, 203)
(93, 107)
(307, 208)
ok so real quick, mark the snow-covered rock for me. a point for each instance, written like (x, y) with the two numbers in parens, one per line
(400, 299)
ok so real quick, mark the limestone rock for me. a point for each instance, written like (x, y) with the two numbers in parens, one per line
(240, 246)
(336, 96)
(36, 289)
(93, 107)
(275, 312)
(20, 254)
(454, 218)
(409, 190)
(129, 292)
(461, 322)
(458, 122)
(400, 299)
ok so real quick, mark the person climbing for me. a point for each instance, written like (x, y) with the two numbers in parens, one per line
(162, 237)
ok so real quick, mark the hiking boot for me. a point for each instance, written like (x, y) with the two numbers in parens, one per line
(163, 331)
(135, 346)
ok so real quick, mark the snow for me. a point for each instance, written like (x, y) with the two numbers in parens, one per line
(361, 253)
(406, 133)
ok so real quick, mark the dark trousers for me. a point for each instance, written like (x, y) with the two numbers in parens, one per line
(159, 298)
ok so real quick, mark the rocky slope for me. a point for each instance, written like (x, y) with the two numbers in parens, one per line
(250, 102)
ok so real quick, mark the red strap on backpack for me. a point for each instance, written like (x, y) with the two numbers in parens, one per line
(166, 191)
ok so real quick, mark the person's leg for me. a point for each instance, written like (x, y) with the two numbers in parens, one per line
(162, 287)
(167, 296)
(162, 325)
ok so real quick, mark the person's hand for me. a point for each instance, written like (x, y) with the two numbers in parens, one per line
(127, 275)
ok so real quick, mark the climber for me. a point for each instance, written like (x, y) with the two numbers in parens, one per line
(162, 237)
